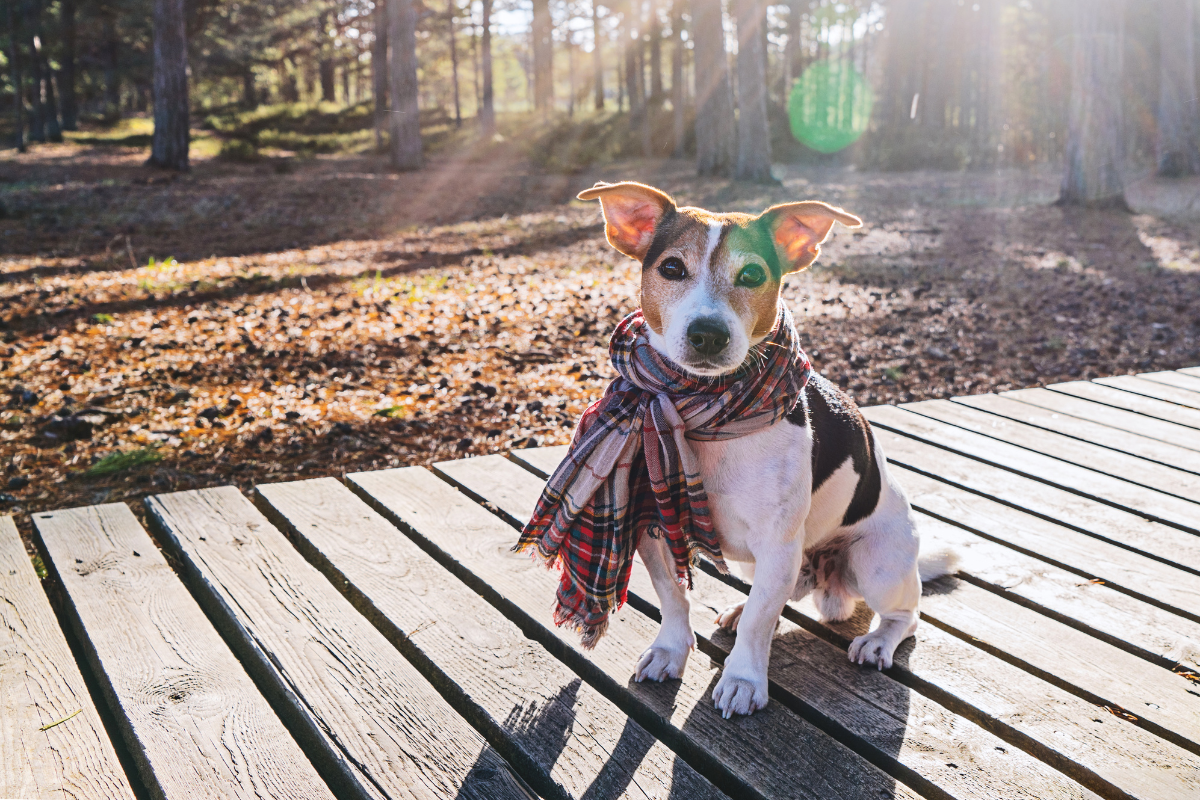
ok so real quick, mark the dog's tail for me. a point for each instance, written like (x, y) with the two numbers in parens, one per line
(931, 566)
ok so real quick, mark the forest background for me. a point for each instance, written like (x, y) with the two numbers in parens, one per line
(256, 241)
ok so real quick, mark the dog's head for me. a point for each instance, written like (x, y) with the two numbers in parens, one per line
(710, 282)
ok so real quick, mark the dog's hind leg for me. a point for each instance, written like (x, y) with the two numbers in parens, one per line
(668, 655)
(883, 568)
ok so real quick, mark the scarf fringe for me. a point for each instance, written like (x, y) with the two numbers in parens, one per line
(590, 633)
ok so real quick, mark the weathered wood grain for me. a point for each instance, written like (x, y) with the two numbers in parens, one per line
(881, 714)
(1086, 516)
(1165, 601)
(193, 720)
(1180, 379)
(1098, 443)
(536, 711)
(1148, 388)
(773, 753)
(1165, 702)
(1088, 483)
(1098, 750)
(511, 489)
(367, 716)
(1129, 401)
(40, 685)
(542, 460)
(1071, 407)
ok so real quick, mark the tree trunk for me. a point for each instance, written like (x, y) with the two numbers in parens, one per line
(597, 59)
(169, 145)
(346, 83)
(654, 28)
(1178, 143)
(454, 63)
(1094, 141)
(110, 48)
(37, 117)
(633, 76)
(14, 38)
(379, 70)
(543, 57)
(406, 122)
(66, 74)
(754, 136)
(487, 112)
(288, 86)
(678, 95)
(328, 81)
(53, 127)
(715, 133)
(249, 97)
(571, 90)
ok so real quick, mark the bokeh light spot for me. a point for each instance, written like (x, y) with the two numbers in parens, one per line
(829, 106)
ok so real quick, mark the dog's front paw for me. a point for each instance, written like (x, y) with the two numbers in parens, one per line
(875, 648)
(735, 695)
(728, 619)
(661, 663)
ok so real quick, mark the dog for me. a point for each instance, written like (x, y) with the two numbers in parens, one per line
(805, 506)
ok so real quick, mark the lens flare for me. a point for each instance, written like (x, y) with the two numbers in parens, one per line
(829, 106)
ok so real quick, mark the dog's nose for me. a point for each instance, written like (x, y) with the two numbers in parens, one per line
(708, 335)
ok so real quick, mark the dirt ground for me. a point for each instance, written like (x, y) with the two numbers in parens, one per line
(291, 319)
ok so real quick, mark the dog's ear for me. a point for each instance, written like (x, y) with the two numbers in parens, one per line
(631, 213)
(799, 228)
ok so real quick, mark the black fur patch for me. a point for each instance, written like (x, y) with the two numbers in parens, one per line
(839, 430)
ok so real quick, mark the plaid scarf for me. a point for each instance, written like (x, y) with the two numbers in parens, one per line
(631, 468)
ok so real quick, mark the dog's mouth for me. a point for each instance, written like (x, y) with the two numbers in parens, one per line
(707, 368)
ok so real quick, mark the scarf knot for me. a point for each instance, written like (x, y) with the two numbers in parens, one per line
(631, 468)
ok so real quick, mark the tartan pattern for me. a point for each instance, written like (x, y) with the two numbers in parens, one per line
(631, 469)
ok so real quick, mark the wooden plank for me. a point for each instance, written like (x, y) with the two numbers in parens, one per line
(511, 490)
(1179, 379)
(40, 685)
(807, 672)
(532, 707)
(1066, 731)
(1168, 545)
(1159, 391)
(541, 461)
(1070, 407)
(1164, 600)
(1157, 632)
(1129, 401)
(973, 415)
(1087, 483)
(1165, 454)
(1164, 702)
(194, 721)
(1193, 371)
(372, 721)
(772, 753)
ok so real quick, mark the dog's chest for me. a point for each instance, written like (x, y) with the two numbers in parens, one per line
(757, 484)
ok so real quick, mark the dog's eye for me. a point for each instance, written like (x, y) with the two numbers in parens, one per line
(751, 276)
(672, 269)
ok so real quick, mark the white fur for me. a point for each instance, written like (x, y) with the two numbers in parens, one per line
(767, 516)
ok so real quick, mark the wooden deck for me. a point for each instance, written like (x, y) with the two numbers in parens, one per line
(375, 637)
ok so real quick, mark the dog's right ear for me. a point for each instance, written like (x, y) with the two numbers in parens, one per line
(631, 213)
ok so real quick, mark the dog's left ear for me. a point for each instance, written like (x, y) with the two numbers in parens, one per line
(631, 213)
(799, 229)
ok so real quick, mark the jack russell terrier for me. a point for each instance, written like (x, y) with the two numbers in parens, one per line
(755, 459)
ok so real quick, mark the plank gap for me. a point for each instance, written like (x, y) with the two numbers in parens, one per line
(538, 779)
(712, 769)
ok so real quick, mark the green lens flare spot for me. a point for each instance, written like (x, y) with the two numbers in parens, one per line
(830, 106)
